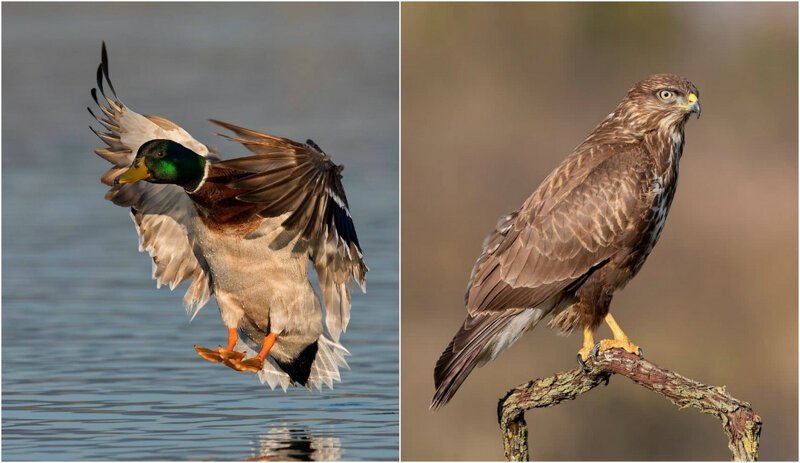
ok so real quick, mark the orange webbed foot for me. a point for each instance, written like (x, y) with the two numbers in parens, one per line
(208, 354)
(219, 355)
(253, 365)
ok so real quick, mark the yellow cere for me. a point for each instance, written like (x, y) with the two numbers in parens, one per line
(691, 98)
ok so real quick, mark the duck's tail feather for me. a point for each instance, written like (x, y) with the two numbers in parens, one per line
(271, 374)
(325, 369)
(330, 358)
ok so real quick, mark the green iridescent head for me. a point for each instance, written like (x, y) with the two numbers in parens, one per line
(165, 161)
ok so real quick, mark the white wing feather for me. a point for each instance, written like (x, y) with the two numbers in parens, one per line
(162, 214)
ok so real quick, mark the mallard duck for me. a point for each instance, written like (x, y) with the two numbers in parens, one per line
(243, 231)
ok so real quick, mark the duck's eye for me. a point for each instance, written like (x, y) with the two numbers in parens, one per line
(665, 95)
(160, 154)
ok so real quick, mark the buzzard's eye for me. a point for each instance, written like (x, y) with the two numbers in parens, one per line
(665, 95)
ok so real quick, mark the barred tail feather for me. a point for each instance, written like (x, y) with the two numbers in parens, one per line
(481, 338)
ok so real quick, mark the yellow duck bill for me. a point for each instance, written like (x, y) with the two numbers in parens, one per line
(135, 173)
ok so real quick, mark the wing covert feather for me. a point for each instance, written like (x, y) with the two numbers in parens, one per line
(574, 221)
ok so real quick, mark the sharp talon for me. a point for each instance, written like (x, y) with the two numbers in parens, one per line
(595, 350)
(583, 365)
(641, 353)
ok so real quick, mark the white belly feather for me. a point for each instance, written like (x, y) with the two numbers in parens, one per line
(269, 287)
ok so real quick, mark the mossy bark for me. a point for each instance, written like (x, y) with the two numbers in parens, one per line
(740, 423)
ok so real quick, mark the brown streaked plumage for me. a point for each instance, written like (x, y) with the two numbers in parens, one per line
(242, 230)
(582, 235)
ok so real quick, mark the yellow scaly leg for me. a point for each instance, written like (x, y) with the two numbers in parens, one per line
(620, 340)
(588, 344)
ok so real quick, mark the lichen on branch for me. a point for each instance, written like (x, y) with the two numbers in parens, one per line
(740, 423)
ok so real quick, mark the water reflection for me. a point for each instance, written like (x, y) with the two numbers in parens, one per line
(285, 444)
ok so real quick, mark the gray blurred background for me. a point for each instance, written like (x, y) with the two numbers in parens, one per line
(494, 96)
(97, 363)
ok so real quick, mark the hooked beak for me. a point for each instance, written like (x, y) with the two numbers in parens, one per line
(693, 104)
(138, 171)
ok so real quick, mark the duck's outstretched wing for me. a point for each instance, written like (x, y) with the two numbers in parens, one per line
(284, 176)
(162, 213)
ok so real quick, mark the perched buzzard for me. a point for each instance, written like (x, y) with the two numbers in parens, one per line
(582, 235)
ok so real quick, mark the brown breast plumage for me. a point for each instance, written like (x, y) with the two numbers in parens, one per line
(218, 207)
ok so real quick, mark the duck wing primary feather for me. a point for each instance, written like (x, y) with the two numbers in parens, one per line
(162, 214)
(283, 176)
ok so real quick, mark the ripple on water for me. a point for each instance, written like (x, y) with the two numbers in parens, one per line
(116, 377)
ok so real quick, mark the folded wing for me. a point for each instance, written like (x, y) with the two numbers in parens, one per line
(550, 244)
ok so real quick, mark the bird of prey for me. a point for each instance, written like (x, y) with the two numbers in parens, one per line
(582, 235)
(242, 230)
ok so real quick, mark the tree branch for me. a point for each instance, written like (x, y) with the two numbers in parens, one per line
(740, 423)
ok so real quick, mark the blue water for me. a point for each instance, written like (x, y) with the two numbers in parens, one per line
(96, 362)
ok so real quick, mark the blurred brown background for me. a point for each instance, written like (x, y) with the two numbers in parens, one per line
(494, 96)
